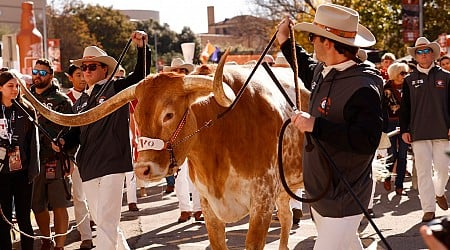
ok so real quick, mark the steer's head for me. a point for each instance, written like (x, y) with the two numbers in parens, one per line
(164, 117)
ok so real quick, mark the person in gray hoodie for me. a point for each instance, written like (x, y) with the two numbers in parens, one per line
(345, 117)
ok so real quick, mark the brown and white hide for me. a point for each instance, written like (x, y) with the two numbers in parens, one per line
(234, 161)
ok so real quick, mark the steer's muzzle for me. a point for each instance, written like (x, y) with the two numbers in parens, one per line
(149, 171)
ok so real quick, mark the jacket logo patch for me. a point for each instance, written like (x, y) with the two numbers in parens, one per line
(81, 107)
(439, 84)
(417, 83)
(49, 105)
(313, 85)
(325, 105)
(101, 99)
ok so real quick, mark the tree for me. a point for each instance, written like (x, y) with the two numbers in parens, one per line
(300, 11)
(436, 16)
(5, 30)
(73, 32)
(161, 39)
(112, 30)
(382, 17)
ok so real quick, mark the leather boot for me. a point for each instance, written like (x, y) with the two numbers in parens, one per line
(442, 202)
(184, 216)
(198, 216)
(296, 215)
(133, 207)
(86, 244)
(428, 216)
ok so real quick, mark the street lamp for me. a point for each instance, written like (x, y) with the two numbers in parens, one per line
(44, 21)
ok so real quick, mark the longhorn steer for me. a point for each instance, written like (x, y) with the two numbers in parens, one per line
(233, 159)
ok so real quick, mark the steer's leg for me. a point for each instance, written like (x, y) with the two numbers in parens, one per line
(260, 217)
(285, 217)
(215, 227)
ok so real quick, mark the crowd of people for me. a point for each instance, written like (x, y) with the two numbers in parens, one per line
(351, 104)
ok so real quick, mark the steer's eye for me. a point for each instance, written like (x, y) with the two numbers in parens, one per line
(168, 117)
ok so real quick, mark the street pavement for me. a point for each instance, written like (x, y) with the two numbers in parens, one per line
(155, 225)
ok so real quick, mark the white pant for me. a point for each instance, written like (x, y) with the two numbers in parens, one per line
(374, 185)
(104, 197)
(184, 186)
(80, 206)
(130, 180)
(337, 233)
(295, 203)
(429, 154)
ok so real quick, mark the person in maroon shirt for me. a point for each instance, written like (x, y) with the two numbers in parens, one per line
(75, 76)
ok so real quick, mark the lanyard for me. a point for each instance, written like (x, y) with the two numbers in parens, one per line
(9, 127)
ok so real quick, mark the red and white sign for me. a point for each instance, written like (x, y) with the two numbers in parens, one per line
(54, 53)
(444, 43)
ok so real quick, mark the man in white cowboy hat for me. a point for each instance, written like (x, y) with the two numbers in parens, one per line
(104, 154)
(344, 117)
(179, 66)
(425, 98)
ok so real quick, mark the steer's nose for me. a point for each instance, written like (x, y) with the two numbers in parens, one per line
(147, 171)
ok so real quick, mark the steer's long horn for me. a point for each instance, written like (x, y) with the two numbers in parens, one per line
(222, 97)
(84, 118)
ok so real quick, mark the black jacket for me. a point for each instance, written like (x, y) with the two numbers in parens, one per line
(24, 136)
(105, 144)
(425, 111)
(348, 126)
(54, 99)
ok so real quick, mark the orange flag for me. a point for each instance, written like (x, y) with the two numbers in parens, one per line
(206, 53)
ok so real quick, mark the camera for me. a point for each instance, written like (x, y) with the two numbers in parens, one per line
(441, 230)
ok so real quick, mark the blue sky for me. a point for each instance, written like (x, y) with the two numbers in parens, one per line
(180, 13)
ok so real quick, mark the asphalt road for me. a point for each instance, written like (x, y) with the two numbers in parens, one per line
(155, 225)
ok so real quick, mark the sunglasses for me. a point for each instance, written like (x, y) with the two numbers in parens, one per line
(403, 73)
(423, 51)
(311, 37)
(42, 73)
(90, 67)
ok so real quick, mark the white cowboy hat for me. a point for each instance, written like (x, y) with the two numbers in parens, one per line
(178, 63)
(251, 62)
(269, 58)
(423, 42)
(340, 24)
(231, 63)
(95, 54)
